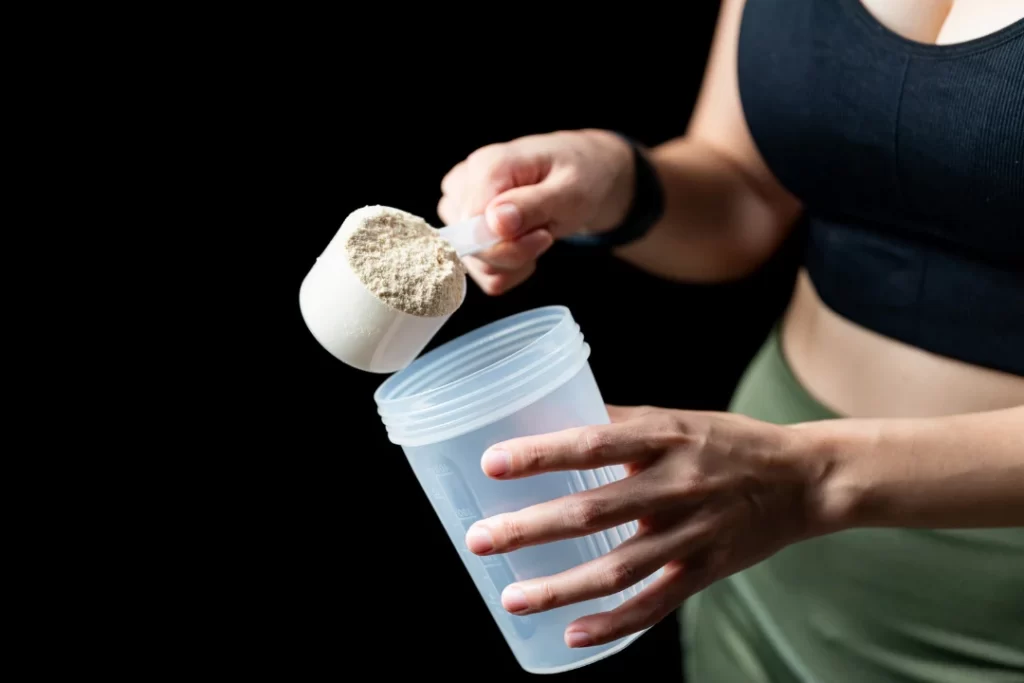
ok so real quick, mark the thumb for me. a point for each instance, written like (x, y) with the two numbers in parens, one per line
(522, 209)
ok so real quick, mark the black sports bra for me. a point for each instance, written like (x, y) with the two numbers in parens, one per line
(909, 159)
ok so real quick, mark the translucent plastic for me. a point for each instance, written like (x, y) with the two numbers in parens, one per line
(470, 237)
(523, 375)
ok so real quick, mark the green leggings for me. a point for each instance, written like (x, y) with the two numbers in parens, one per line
(861, 606)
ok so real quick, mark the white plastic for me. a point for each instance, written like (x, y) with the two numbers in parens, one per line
(470, 237)
(526, 374)
(350, 322)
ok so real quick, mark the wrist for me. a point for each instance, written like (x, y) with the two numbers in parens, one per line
(636, 202)
(622, 186)
(834, 452)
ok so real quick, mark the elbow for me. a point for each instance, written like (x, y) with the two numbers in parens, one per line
(756, 242)
(749, 242)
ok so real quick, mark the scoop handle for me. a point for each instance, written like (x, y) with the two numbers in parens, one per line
(470, 236)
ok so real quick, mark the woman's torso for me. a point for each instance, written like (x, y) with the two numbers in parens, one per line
(914, 224)
(920, 55)
(860, 373)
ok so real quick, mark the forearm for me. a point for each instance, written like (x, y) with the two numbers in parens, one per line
(716, 226)
(960, 471)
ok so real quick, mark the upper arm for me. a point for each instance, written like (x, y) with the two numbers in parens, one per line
(725, 212)
(718, 121)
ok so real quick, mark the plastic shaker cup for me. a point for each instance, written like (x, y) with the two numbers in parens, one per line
(522, 375)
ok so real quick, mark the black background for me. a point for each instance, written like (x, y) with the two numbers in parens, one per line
(351, 566)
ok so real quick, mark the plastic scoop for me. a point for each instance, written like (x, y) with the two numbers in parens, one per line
(471, 236)
(355, 326)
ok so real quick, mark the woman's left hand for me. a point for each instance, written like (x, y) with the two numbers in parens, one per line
(713, 493)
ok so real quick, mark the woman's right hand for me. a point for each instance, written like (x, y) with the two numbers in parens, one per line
(534, 190)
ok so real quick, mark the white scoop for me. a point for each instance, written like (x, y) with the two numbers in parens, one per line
(470, 237)
(355, 326)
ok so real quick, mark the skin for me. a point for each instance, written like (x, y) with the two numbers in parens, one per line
(927, 442)
(714, 493)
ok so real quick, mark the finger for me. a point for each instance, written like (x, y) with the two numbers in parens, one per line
(447, 209)
(651, 605)
(515, 254)
(452, 178)
(492, 170)
(550, 201)
(631, 562)
(478, 266)
(579, 448)
(620, 414)
(571, 516)
(624, 413)
(493, 281)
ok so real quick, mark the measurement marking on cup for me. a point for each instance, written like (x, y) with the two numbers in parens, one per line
(441, 468)
(495, 567)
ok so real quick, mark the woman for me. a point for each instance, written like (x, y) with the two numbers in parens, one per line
(856, 516)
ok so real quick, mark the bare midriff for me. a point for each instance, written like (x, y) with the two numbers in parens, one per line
(859, 373)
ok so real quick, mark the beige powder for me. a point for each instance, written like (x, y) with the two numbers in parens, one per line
(405, 263)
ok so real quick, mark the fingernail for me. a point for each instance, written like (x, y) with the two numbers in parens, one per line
(513, 599)
(509, 219)
(479, 540)
(495, 462)
(577, 639)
